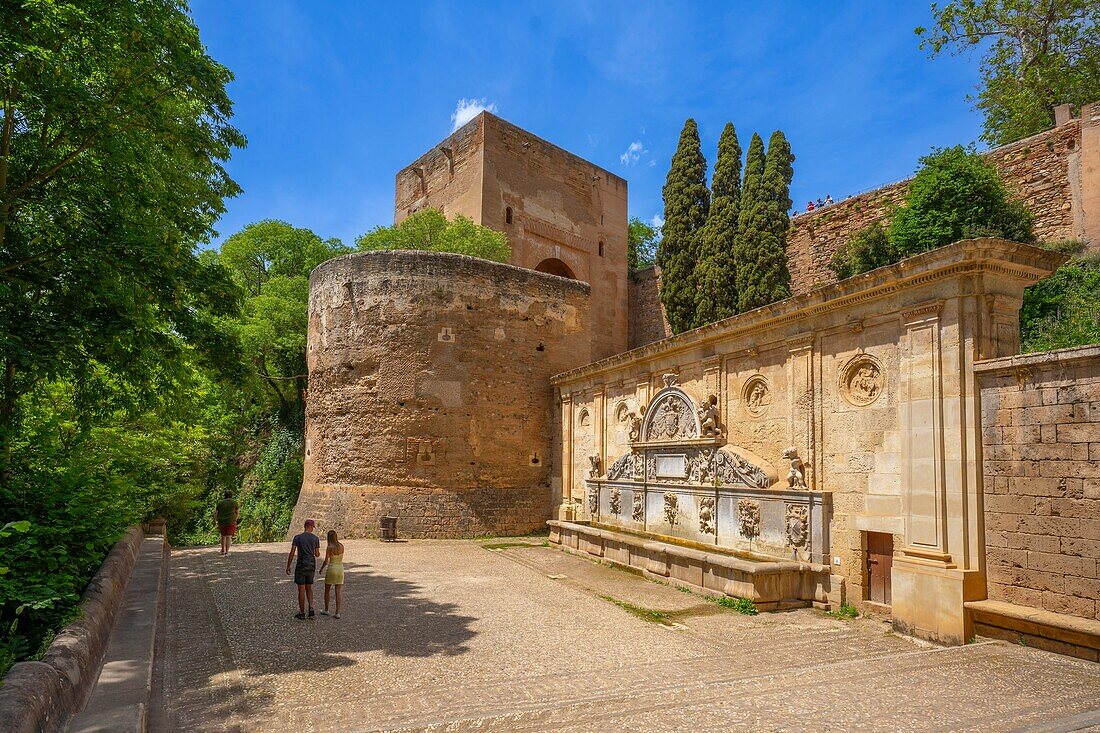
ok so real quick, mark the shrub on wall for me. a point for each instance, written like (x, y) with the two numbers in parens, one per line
(430, 230)
(956, 194)
(1064, 309)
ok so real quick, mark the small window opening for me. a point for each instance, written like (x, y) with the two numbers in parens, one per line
(540, 347)
(508, 215)
(601, 219)
(601, 249)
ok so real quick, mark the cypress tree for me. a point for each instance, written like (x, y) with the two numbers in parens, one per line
(716, 269)
(686, 204)
(762, 274)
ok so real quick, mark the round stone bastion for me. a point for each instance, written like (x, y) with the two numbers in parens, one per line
(429, 393)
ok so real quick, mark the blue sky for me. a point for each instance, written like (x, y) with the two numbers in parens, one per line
(335, 97)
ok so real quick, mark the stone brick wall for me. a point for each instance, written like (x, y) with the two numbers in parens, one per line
(430, 394)
(647, 315)
(1041, 441)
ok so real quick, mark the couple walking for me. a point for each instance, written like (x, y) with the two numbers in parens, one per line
(307, 546)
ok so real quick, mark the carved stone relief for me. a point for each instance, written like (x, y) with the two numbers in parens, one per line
(624, 466)
(706, 515)
(748, 517)
(672, 507)
(615, 502)
(622, 412)
(708, 418)
(798, 525)
(796, 477)
(699, 467)
(637, 511)
(594, 465)
(635, 426)
(862, 380)
(731, 468)
(756, 395)
(594, 500)
(670, 417)
(584, 419)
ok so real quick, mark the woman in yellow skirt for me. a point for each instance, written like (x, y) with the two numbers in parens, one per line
(334, 576)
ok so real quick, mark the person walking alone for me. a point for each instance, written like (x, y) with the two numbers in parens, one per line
(226, 514)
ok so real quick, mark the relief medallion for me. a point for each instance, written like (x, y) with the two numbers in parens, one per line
(756, 395)
(862, 380)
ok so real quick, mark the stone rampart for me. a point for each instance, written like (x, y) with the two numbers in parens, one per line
(42, 696)
(430, 397)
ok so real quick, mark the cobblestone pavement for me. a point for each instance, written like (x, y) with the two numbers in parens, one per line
(451, 636)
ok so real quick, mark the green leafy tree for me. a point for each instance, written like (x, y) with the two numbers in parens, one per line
(716, 270)
(1064, 309)
(641, 244)
(1036, 54)
(762, 274)
(687, 202)
(868, 248)
(430, 230)
(955, 195)
(113, 135)
(273, 248)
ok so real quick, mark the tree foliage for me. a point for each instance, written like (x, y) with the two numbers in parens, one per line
(761, 255)
(687, 202)
(716, 269)
(1064, 309)
(641, 244)
(867, 249)
(1036, 54)
(113, 134)
(956, 194)
(430, 230)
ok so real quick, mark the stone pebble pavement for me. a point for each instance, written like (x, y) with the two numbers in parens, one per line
(451, 636)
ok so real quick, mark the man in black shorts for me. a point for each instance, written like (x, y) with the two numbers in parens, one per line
(308, 548)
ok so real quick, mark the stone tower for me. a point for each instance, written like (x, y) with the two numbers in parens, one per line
(563, 215)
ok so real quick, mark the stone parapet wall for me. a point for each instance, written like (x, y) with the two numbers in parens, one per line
(647, 314)
(429, 393)
(42, 696)
(1041, 444)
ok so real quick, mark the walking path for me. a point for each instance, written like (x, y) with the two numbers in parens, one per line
(451, 636)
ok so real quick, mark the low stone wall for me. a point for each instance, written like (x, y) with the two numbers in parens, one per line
(1041, 441)
(39, 697)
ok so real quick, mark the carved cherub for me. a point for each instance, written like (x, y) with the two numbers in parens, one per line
(594, 465)
(796, 477)
(708, 417)
(635, 425)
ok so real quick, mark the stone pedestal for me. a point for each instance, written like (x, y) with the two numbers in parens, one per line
(928, 598)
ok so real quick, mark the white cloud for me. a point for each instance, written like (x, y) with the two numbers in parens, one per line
(467, 109)
(633, 153)
(657, 221)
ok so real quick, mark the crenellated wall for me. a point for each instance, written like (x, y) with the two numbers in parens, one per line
(871, 382)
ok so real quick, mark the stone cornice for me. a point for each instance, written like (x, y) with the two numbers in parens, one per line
(1023, 262)
(1040, 360)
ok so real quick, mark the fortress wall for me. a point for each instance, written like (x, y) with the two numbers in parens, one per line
(1056, 173)
(430, 396)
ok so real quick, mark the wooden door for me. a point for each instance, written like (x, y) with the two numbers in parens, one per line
(880, 558)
